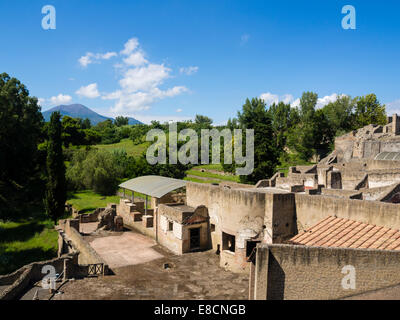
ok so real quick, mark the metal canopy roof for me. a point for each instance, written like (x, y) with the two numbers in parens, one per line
(388, 156)
(154, 186)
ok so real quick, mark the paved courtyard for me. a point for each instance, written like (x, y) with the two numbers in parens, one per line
(128, 248)
(140, 274)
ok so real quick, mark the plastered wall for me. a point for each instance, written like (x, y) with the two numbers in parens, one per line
(300, 272)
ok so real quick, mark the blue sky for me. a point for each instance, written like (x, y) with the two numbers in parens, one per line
(169, 60)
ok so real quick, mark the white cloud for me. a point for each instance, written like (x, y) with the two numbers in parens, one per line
(106, 56)
(112, 96)
(129, 102)
(168, 118)
(393, 107)
(287, 98)
(144, 78)
(41, 101)
(90, 91)
(60, 99)
(130, 46)
(179, 110)
(135, 59)
(90, 57)
(326, 100)
(295, 103)
(139, 83)
(189, 70)
(269, 98)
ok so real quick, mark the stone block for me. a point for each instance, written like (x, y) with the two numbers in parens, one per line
(147, 221)
(118, 223)
(137, 216)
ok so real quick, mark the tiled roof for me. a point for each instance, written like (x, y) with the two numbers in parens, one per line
(345, 233)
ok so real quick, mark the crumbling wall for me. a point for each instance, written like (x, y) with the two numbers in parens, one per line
(229, 209)
(87, 255)
(340, 193)
(383, 177)
(312, 209)
(28, 274)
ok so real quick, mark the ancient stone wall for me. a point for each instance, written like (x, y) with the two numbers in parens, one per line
(229, 209)
(312, 209)
(301, 272)
(31, 273)
(87, 255)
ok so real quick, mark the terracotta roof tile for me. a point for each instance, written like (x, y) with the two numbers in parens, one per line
(346, 233)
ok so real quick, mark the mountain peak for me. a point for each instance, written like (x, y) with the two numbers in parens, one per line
(80, 111)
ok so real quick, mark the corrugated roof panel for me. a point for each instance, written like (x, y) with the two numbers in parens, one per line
(154, 186)
(388, 156)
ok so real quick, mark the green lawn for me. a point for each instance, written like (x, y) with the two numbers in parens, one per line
(212, 176)
(86, 201)
(200, 180)
(26, 241)
(217, 167)
(127, 145)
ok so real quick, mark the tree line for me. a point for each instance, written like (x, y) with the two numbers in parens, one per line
(287, 135)
(41, 161)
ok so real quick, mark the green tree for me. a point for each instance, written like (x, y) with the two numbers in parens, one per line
(340, 114)
(72, 132)
(202, 122)
(20, 160)
(301, 138)
(255, 116)
(283, 117)
(98, 170)
(308, 103)
(86, 124)
(91, 137)
(56, 189)
(121, 121)
(368, 110)
(312, 134)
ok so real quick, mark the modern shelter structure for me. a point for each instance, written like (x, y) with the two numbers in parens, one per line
(154, 186)
(170, 221)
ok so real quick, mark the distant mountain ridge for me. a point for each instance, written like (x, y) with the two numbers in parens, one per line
(81, 111)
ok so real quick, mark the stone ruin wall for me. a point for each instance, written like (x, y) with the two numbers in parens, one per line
(301, 272)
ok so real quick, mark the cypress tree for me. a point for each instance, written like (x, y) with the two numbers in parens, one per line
(56, 190)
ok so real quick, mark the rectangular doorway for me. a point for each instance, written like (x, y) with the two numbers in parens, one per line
(194, 238)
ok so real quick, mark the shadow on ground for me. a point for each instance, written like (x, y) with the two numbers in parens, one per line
(13, 260)
(21, 232)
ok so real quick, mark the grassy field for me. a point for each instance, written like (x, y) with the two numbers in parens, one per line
(200, 180)
(127, 145)
(26, 241)
(86, 201)
(211, 175)
(217, 167)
